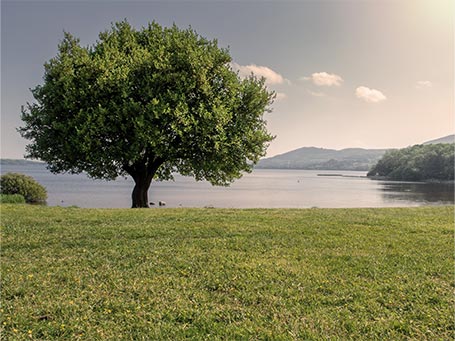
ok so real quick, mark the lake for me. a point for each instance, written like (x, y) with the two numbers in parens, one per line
(263, 188)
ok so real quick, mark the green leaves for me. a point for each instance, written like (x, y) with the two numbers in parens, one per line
(23, 185)
(141, 95)
(419, 162)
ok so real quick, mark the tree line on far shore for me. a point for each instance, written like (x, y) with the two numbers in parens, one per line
(417, 163)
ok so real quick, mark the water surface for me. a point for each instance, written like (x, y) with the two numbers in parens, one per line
(263, 188)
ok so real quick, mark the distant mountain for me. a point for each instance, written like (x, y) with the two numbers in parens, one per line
(330, 159)
(445, 139)
(324, 159)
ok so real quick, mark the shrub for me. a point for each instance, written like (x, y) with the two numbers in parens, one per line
(15, 183)
(12, 199)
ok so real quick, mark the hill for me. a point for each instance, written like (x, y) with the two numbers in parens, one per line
(321, 158)
(445, 139)
(330, 159)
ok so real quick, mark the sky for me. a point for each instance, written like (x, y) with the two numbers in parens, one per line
(347, 73)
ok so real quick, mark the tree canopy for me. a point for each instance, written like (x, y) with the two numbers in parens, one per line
(417, 163)
(147, 103)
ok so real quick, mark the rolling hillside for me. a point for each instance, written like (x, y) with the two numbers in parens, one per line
(331, 159)
(445, 139)
(328, 159)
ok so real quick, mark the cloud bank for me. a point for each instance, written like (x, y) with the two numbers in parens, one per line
(271, 77)
(369, 95)
(325, 79)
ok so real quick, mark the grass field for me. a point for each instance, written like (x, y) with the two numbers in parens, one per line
(220, 274)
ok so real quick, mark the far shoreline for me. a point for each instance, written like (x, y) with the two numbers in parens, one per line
(427, 181)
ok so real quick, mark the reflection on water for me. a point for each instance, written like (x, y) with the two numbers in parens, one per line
(417, 192)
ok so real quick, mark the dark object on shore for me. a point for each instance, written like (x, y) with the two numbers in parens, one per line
(330, 174)
(343, 176)
(162, 203)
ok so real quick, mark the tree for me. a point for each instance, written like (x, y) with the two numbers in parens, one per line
(417, 163)
(147, 103)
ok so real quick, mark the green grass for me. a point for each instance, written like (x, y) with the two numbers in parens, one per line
(220, 274)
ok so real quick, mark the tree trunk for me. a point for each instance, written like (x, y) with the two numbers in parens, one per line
(142, 173)
(140, 192)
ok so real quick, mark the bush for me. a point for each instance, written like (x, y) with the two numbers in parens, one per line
(12, 199)
(15, 183)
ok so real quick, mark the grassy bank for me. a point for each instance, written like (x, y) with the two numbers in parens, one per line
(214, 274)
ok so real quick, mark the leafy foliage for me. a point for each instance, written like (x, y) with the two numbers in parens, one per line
(22, 185)
(147, 103)
(419, 162)
(12, 199)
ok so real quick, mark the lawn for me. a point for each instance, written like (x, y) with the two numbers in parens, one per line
(222, 274)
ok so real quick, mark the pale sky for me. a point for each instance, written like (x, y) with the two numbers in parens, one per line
(370, 74)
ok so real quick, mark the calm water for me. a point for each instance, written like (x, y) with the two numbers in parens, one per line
(262, 188)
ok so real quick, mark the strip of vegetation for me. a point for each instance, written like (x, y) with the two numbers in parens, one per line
(12, 199)
(417, 163)
(220, 274)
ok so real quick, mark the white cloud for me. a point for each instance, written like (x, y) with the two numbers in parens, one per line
(324, 79)
(271, 77)
(423, 84)
(369, 95)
